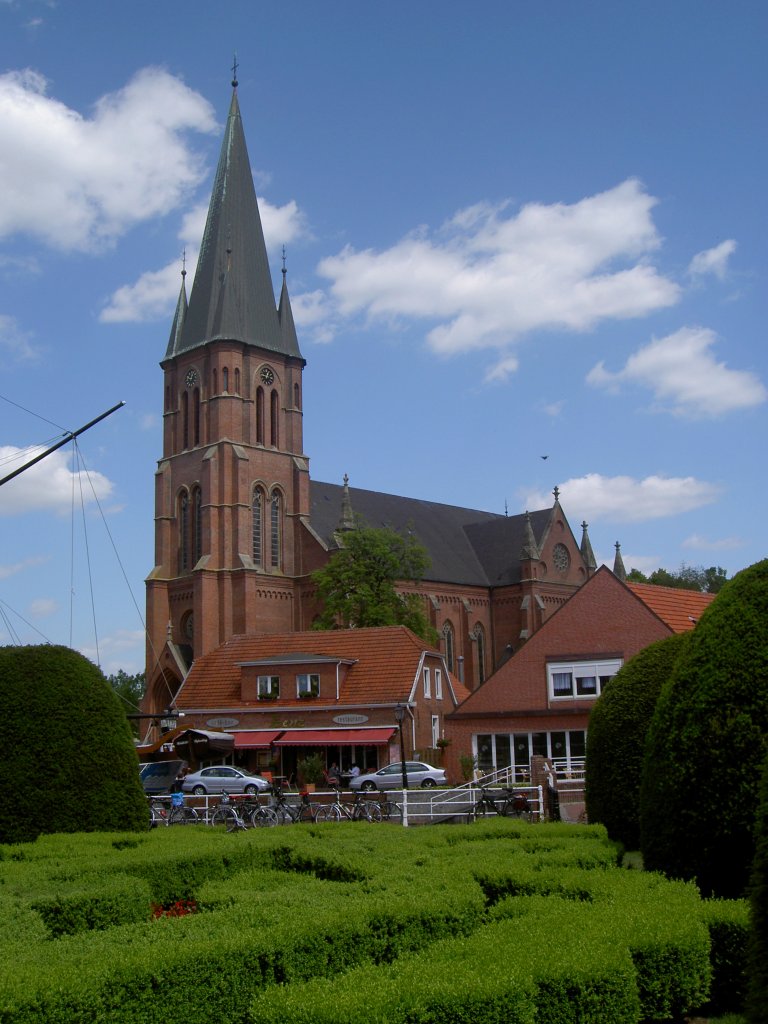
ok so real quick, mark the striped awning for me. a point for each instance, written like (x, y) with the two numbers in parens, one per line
(256, 739)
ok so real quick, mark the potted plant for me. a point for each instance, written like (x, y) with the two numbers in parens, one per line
(310, 771)
(467, 764)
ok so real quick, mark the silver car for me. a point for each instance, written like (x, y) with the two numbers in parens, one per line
(223, 778)
(391, 777)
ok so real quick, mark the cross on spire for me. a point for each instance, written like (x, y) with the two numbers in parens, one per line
(235, 66)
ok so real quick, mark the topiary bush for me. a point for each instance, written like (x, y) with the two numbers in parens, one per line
(67, 759)
(618, 727)
(757, 973)
(707, 742)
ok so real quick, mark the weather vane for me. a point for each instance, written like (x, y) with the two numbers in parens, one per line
(235, 66)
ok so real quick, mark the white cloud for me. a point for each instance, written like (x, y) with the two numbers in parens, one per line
(42, 607)
(684, 376)
(713, 261)
(704, 544)
(15, 342)
(47, 485)
(502, 370)
(554, 409)
(79, 182)
(154, 294)
(27, 563)
(123, 649)
(627, 500)
(488, 278)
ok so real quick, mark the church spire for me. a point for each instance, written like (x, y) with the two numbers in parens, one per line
(232, 297)
(347, 521)
(618, 564)
(285, 316)
(179, 316)
(587, 553)
(530, 548)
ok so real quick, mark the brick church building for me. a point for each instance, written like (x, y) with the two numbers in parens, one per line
(239, 523)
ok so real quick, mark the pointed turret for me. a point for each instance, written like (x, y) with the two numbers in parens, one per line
(618, 564)
(530, 548)
(232, 296)
(285, 316)
(347, 521)
(178, 319)
(587, 553)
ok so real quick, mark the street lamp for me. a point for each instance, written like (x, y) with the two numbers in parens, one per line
(399, 716)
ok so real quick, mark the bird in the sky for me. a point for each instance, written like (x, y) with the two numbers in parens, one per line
(544, 456)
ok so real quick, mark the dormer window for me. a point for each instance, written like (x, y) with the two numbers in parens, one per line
(268, 687)
(307, 685)
(580, 680)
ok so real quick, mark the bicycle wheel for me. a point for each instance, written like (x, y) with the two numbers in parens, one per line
(332, 813)
(264, 817)
(228, 817)
(391, 811)
(373, 811)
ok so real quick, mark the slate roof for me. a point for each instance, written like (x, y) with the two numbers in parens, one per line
(232, 296)
(465, 545)
(385, 663)
(679, 609)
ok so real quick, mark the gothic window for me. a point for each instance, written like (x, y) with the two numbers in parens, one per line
(296, 397)
(197, 525)
(259, 415)
(275, 530)
(450, 650)
(167, 399)
(237, 381)
(185, 420)
(257, 514)
(215, 381)
(183, 522)
(479, 635)
(274, 439)
(196, 416)
(225, 379)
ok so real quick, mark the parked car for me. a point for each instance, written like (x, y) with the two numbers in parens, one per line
(158, 776)
(223, 778)
(391, 777)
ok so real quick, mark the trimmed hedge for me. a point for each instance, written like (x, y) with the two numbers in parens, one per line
(62, 721)
(758, 939)
(415, 925)
(707, 743)
(618, 726)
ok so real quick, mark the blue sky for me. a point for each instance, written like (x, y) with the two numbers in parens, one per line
(512, 230)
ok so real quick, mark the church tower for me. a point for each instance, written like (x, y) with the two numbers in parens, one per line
(232, 486)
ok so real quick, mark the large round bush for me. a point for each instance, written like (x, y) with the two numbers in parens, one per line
(618, 727)
(757, 972)
(67, 760)
(707, 742)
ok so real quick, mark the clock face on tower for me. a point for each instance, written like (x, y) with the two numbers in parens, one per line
(191, 378)
(560, 558)
(267, 377)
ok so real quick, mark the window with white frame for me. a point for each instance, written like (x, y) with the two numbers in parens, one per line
(438, 684)
(268, 687)
(427, 683)
(580, 680)
(307, 684)
(435, 729)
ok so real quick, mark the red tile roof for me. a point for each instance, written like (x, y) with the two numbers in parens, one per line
(385, 663)
(680, 609)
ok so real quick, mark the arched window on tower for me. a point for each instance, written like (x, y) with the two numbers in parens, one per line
(185, 420)
(449, 646)
(274, 438)
(225, 379)
(296, 397)
(257, 527)
(259, 415)
(237, 381)
(183, 523)
(167, 398)
(196, 417)
(215, 384)
(275, 540)
(479, 636)
(197, 525)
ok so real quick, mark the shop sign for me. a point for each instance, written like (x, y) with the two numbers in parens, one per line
(350, 719)
(222, 723)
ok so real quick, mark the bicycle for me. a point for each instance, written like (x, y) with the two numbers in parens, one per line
(361, 809)
(227, 814)
(179, 813)
(511, 804)
(390, 811)
(291, 813)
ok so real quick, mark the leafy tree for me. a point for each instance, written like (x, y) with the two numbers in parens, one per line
(130, 690)
(707, 742)
(688, 577)
(757, 974)
(67, 759)
(358, 585)
(616, 739)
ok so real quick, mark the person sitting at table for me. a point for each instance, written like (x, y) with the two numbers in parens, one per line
(331, 775)
(355, 771)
